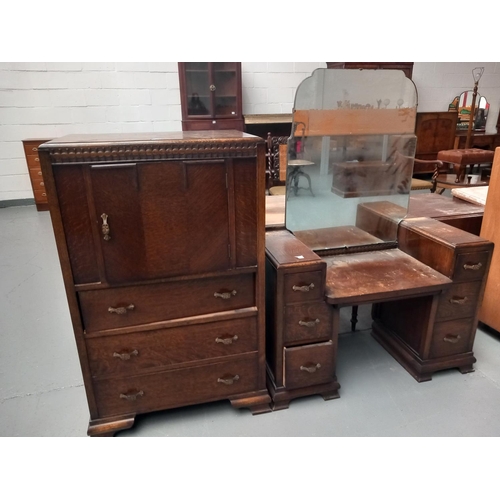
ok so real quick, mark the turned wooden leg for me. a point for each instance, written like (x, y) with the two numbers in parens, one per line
(354, 318)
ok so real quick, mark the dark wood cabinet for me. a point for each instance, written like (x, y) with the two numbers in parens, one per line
(161, 243)
(211, 95)
(406, 67)
(435, 132)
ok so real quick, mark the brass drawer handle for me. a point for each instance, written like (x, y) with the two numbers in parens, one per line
(305, 288)
(125, 356)
(132, 396)
(310, 368)
(105, 227)
(35, 149)
(212, 88)
(121, 310)
(458, 300)
(228, 379)
(226, 340)
(224, 295)
(452, 339)
(473, 267)
(40, 173)
(37, 159)
(309, 324)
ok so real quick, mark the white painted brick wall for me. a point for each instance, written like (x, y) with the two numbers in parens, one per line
(52, 99)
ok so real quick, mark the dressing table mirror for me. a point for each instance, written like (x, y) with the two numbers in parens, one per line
(348, 241)
(462, 104)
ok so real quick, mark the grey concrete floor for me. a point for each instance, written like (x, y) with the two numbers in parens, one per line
(42, 393)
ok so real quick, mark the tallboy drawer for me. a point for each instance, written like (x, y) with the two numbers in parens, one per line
(174, 388)
(307, 322)
(309, 365)
(134, 305)
(300, 287)
(131, 354)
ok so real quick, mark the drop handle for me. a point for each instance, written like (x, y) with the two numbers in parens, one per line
(212, 88)
(105, 227)
(228, 379)
(305, 288)
(473, 267)
(225, 295)
(132, 396)
(458, 300)
(121, 310)
(452, 339)
(310, 368)
(125, 356)
(226, 340)
(309, 324)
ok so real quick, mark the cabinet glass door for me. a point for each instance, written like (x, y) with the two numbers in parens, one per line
(225, 87)
(198, 89)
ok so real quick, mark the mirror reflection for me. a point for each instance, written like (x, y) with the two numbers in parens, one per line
(350, 158)
(463, 104)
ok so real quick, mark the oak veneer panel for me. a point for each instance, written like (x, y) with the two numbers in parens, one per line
(490, 310)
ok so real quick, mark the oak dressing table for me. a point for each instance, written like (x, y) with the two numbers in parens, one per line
(353, 243)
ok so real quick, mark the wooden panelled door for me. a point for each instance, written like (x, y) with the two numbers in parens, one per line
(157, 220)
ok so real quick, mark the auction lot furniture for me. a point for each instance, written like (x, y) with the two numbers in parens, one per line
(353, 243)
(161, 244)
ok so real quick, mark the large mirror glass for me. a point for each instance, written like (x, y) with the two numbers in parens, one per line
(463, 104)
(350, 158)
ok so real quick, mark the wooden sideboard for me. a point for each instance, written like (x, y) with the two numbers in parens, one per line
(435, 132)
(30, 147)
(480, 140)
(161, 244)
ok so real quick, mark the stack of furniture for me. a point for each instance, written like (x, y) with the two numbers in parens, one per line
(161, 244)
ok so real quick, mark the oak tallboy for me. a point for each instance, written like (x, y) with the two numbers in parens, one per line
(161, 244)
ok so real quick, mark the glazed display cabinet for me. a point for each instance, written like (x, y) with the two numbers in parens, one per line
(211, 95)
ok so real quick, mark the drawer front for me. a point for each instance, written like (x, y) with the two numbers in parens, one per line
(459, 301)
(470, 266)
(175, 388)
(33, 161)
(451, 337)
(40, 195)
(131, 354)
(31, 147)
(301, 287)
(128, 306)
(309, 365)
(307, 322)
(36, 174)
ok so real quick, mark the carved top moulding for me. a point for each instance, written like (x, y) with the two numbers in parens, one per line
(147, 147)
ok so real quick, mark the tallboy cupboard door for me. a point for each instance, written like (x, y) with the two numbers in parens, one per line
(161, 219)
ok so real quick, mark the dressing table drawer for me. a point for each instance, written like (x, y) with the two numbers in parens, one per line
(451, 337)
(459, 301)
(309, 365)
(305, 286)
(470, 266)
(307, 322)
